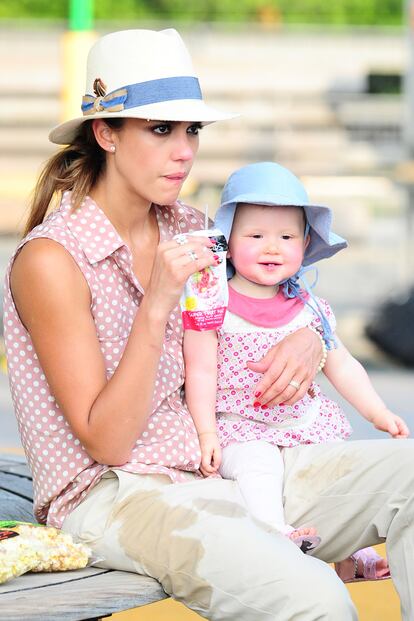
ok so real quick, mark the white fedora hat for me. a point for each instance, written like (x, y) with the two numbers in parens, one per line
(142, 74)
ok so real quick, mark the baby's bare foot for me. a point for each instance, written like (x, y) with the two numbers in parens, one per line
(302, 532)
(305, 538)
(364, 564)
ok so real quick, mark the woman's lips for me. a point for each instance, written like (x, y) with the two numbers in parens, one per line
(176, 176)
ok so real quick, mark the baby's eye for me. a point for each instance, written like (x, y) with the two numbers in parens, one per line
(287, 237)
(194, 129)
(257, 236)
(164, 128)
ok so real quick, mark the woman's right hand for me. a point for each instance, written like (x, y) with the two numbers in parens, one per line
(173, 265)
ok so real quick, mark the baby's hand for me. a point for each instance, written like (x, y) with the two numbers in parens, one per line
(391, 423)
(210, 453)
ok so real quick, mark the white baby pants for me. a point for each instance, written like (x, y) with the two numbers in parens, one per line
(258, 468)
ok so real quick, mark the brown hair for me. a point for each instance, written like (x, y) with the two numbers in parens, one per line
(76, 167)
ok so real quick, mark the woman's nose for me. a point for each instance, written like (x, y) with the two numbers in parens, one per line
(184, 149)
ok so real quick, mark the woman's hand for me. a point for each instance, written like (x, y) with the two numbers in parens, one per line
(295, 359)
(174, 263)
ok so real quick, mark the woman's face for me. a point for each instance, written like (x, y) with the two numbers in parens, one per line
(153, 158)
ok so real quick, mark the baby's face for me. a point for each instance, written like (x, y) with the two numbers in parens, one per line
(266, 246)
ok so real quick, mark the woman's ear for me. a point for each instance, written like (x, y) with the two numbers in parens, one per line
(104, 135)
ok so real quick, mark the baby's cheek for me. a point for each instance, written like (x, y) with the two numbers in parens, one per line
(296, 253)
(243, 255)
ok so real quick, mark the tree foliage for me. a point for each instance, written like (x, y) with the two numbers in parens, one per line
(364, 12)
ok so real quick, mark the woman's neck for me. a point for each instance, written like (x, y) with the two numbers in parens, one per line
(131, 215)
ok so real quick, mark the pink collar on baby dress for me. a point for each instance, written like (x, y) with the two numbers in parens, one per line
(266, 313)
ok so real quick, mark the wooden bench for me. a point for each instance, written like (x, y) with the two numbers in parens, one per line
(90, 593)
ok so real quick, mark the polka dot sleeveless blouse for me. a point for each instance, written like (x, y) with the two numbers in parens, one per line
(63, 472)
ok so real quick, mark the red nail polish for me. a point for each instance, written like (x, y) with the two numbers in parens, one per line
(256, 404)
(264, 407)
(257, 394)
(281, 404)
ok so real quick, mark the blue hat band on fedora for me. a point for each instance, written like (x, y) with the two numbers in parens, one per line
(144, 93)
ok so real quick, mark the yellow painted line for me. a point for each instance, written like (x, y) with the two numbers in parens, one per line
(167, 610)
(12, 450)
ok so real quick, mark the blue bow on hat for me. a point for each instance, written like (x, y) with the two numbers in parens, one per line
(112, 102)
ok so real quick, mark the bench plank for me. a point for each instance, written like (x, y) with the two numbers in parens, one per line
(77, 595)
(13, 507)
(16, 490)
(16, 484)
(15, 464)
(62, 596)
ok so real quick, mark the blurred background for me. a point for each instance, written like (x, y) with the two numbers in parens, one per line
(324, 88)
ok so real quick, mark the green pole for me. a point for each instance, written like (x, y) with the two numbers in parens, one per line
(76, 43)
(80, 15)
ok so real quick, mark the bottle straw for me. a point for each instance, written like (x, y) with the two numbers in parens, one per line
(206, 216)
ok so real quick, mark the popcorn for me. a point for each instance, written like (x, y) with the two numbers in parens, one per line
(29, 547)
(16, 558)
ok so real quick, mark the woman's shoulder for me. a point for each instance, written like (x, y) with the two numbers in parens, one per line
(44, 247)
(43, 262)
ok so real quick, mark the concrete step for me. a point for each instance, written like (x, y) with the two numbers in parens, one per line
(30, 110)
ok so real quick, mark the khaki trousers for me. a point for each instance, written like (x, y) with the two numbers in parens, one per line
(198, 540)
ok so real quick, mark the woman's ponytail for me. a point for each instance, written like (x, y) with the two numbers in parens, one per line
(76, 167)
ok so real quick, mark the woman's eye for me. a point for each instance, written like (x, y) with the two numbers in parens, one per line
(194, 129)
(162, 129)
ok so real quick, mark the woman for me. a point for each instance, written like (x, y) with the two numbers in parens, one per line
(93, 337)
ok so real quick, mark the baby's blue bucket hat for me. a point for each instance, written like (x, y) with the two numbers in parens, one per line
(268, 183)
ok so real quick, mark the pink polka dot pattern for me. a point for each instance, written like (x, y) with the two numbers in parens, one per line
(314, 419)
(62, 470)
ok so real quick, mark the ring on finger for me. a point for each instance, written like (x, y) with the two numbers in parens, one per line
(192, 255)
(295, 384)
(181, 239)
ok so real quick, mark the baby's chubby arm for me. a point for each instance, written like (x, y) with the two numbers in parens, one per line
(200, 360)
(352, 382)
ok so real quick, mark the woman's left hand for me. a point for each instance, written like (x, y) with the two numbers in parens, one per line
(288, 369)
